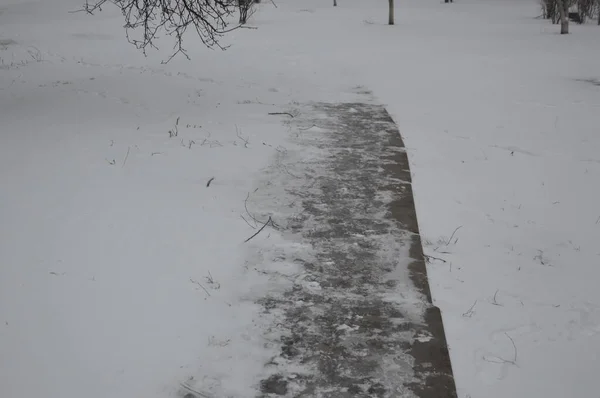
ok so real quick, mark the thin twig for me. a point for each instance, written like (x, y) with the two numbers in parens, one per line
(262, 103)
(258, 232)
(281, 113)
(494, 302)
(308, 128)
(185, 386)
(428, 258)
(209, 181)
(250, 225)
(126, 156)
(514, 346)
(470, 312)
(239, 135)
(247, 211)
(497, 359)
(215, 285)
(274, 4)
(452, 236)
(198, 283)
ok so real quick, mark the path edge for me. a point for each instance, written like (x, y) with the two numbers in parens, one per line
(432, 365)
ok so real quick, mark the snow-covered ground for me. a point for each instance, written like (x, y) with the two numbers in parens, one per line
(118, 276)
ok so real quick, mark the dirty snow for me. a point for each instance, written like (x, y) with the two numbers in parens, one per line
(122, 274)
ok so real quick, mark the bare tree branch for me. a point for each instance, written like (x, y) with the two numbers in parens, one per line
(149, 18)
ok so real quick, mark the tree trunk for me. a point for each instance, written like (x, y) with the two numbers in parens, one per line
(564, 19)
(335, 3)
(598, 12)
(391, 16)
(549, 9)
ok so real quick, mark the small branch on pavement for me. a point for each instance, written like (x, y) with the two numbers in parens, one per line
(258, 232)
(209, 181)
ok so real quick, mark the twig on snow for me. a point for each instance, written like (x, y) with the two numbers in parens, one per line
(494, 302)
(262, 103)
(471, 311)
(209, 181)
(274, 3)
(126, 156)
(199, 284)
(452, 236)
(281, 113)
(247, 211)
(261, 228)
(186, 387)
(239, 135)
(308, 128)
(250, 225)
(496, 359)
(514, 346)
(211, 281)
(428, 258)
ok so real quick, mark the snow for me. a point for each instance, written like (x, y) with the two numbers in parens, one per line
(123, 274)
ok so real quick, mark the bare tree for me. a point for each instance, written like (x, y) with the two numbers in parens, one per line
(391, 13)
(564, 17)
(246, 8)
(549, 10)
(586, 9)
(208, 18)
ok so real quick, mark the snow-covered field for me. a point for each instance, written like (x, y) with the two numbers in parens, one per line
(123, 275)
